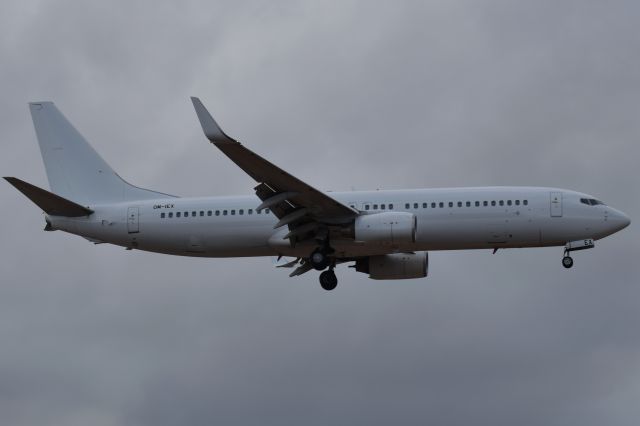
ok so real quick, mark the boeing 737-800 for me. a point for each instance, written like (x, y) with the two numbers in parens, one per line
(386, 234)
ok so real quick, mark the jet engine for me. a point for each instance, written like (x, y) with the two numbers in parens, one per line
(386, 228)
(396, 266)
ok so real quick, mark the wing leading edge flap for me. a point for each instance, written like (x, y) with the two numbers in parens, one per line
(320, 206)
(51, 203)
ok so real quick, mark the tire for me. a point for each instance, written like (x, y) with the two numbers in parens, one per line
(319, 260)
(567, 262)
(328, 280)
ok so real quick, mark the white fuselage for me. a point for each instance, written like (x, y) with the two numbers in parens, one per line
(447, 219)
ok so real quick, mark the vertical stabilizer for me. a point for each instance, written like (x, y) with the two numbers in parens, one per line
(74, 169)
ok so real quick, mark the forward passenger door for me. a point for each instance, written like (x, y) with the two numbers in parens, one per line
(556, 204)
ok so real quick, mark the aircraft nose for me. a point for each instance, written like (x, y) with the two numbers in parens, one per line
(624, 220)
(619, 220)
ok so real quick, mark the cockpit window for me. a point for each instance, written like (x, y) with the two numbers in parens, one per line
(591, 201)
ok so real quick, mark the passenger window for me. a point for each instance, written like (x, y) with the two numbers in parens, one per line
(493, 203)
(186, 214)
(383, 206)
(224, 212)
(209, 213)
(178, 214)
(508, 202)
(517, 202)
(266, 211)
(170, 214)
(477, 203)
(390, 206)
(366, 206)
(501, 202)
(217, 212)
(450, 204)
(441, 204)
(459, 203)
(468, 203)
(485, 203)
(433, 205)
(250, 211)
(162, 215)
(525, 202)
(424, 205)
(375, 207)
(241, 211)
(233, 212)
(406, 206)
(201, 212)
(415, 205)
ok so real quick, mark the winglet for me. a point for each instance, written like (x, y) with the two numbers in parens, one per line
(212, 131)
(51, 203)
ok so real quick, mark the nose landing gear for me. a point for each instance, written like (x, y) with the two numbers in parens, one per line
(567, 261)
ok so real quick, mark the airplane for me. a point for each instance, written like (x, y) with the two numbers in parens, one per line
(386, 234)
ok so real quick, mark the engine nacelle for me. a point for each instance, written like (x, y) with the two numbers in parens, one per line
(396, 266)
(386, 228)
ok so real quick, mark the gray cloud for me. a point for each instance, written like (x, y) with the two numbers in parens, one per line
(342, 94)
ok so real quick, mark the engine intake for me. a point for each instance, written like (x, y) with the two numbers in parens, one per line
(386, 228)
(396, 266)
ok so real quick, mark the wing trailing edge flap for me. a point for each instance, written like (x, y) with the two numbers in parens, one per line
(276, 199)
(51, 203)
(304, 268)
(301, 228)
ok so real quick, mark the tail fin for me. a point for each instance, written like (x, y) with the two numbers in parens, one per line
(74, 169)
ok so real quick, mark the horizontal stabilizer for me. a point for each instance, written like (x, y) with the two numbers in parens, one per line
(51, 203)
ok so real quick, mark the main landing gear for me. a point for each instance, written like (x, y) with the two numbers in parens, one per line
(320, 261)
(567, 261)
(328, 280)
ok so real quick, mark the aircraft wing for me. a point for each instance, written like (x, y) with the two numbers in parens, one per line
(293, 201)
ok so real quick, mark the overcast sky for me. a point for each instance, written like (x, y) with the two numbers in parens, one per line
(345, 95)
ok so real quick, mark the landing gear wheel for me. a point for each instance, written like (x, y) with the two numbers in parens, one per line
(567, 262)
(328, 280)
(319, 260)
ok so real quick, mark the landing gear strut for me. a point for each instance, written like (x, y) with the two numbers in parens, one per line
(328, 280)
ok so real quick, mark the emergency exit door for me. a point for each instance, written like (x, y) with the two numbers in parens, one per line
(132, 220)
(556, 204)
